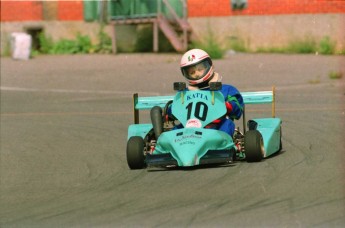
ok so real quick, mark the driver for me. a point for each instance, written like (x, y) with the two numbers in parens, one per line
(197, 68)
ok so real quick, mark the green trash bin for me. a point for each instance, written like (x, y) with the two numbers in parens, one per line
(90, 10)
(152, 6)
(119, 8)
(138, 8)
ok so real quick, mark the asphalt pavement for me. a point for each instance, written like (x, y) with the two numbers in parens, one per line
(64, 123)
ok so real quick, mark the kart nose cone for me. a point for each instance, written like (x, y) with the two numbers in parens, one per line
(189, 145)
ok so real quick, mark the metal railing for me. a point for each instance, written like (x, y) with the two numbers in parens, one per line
(156, 11)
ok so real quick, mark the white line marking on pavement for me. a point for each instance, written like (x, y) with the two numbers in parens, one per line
(127, 93)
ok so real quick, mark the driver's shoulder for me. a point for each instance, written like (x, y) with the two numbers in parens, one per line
(229, 88)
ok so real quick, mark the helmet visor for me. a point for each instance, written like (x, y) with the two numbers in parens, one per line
(197, 71)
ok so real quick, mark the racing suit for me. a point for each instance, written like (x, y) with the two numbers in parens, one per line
(234, 105)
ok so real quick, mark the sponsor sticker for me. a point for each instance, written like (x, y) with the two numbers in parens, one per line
(193, 123)
(187, 139)
(191, 58)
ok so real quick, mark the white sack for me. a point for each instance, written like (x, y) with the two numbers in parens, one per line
(20, 45)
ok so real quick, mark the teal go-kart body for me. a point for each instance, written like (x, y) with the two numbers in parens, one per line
(185, 140)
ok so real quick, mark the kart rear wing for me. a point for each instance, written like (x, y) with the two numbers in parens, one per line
(144, 103)
(260, 97)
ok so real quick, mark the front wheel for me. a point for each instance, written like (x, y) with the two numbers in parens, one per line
(135, 153)
(254, 146)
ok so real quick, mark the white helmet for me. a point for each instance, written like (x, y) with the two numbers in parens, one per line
(196, 66)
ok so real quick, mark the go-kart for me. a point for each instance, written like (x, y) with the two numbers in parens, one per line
(164, 143)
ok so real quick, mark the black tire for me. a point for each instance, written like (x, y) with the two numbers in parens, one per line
(135, 153)
(281, 144)
(254, 146)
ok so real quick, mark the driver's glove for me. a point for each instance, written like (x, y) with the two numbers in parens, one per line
(229, 107)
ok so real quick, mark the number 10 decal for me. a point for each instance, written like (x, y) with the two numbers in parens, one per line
(200, 110)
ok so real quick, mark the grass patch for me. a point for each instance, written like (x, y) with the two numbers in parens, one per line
(335, 74)
(213, 49)
(271, 50)
(7, 49)
(237, 44)
(305, 46)
(104, 43)
(302, 46)
(80, 45)
(326, 46)
(45, 43)
(314, 81)
(211, 45)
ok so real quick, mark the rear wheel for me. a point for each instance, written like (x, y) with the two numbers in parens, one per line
(135, 153)
(254, 146)
(281, 144)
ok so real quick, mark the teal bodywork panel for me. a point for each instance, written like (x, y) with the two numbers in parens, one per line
(270, 129)
(138, 130)
(194, 109)
(143, 103)
(261, 97)
(201, 106)
(189, 145)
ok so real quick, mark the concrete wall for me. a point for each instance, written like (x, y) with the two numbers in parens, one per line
(274, 30)
(256, 31)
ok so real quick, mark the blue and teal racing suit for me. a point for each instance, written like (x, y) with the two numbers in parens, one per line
(234, 111)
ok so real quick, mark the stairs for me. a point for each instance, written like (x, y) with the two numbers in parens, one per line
(173, 31)
(176, 29)
(171, 34)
